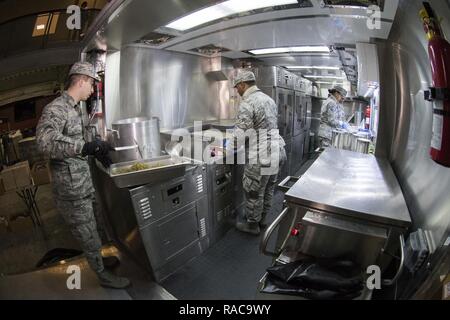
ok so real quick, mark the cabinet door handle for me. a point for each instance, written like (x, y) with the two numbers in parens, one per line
(269, 231)
(400, 267)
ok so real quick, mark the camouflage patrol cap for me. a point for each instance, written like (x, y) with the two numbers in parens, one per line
(244, 76)
(339, 89)
(84, 68)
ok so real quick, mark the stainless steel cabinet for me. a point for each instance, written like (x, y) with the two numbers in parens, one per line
(298, 143)
(285, 169)
(300, 140)
(285, 102)
(173, 240)
(238, 190)
(299, 113)
(162, 226)
(279, 85)
(220, 183)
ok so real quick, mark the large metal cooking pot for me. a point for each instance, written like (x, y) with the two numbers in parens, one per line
(362, 146)
(335, 139)
(355, 137)
(347, 140)
(135, 138)
(341, 139)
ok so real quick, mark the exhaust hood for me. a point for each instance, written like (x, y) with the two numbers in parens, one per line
(218, 75)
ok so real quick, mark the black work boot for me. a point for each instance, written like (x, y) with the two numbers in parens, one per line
(110, 262)
(262, 225)
(249, 227)
(110, 280)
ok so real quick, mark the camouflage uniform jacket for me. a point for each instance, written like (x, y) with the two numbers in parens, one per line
(59, 134)
(332, 117)
(258, 111)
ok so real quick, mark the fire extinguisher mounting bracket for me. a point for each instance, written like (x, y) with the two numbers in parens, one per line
(437, 94)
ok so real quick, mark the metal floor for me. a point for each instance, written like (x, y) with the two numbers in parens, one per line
(230, 269)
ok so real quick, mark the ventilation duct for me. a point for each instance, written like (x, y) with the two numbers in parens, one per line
(210, 50)
(352, 3)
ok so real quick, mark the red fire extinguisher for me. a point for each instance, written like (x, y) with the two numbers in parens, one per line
(439, 93)
(100, 98)
(367, 116)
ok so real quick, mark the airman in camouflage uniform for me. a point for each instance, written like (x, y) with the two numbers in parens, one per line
(332, 116)
(258, 111)
(60, 134)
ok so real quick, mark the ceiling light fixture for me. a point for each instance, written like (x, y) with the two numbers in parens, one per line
(324, 82)
(325, 77)
(322, 49)
(312, 67)
(222, 10)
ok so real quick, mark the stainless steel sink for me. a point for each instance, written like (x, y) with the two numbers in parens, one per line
(161, 169)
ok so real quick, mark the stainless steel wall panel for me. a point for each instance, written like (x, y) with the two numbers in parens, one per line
(171, 86)
(406, 120)
(406, 126)
(112, 88)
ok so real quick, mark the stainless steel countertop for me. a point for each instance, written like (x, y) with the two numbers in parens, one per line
(352, 184)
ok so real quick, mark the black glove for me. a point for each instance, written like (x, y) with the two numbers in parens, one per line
(100, 150)
(105, 160)
(96, 147)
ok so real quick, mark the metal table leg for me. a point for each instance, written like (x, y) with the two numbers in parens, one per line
(23, 195)
(32, 196)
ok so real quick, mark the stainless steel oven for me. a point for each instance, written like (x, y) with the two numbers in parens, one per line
(160, 225)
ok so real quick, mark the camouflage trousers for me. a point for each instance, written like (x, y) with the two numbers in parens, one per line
(80, 216)
(258, 191)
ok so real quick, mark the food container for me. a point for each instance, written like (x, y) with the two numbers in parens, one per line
(152, 171)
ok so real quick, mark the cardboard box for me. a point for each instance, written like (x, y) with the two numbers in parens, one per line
(8, 179)
(41, 173)
(13, 150)
(22, 174)
(16, 176)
